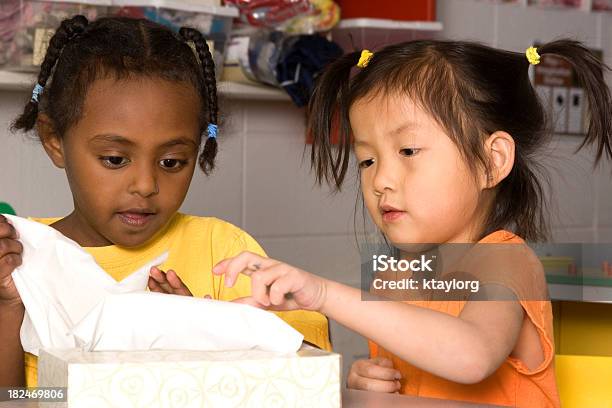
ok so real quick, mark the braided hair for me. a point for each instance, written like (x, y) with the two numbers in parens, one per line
(207, 157)
(67, 31)
(81, 52)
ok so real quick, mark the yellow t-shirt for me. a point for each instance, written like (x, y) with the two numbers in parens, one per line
(195, 245)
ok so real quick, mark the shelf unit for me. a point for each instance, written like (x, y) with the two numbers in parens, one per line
(373, 33)
(389, 24)
(585, 5)
(19, 81)
(384, 30)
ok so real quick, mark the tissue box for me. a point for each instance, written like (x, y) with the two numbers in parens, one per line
(159, 378)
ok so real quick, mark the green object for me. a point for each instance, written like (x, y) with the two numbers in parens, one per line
(579, 280)
(5, 208)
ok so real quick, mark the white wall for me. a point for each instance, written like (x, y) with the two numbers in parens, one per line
(263, 184)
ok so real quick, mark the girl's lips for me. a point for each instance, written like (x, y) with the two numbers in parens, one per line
(391, 216)
(135, 219)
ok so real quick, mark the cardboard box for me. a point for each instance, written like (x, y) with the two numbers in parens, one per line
(252, 378)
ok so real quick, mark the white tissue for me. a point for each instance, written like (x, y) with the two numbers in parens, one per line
(71, 301)
(59, 284)
(188, 324)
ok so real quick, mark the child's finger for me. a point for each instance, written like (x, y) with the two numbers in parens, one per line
(156, 273)
(282, 284)
(219, 268)
(259, 289)
(10, 246)
(177, 284)
(260, 284)
(231, 267)
(249, 300)
(382, 361)
(369, 369)
(228, 264)
(281, 287)
(246, 263)
(8, 263)
(7, 230)
(160, 277)
(370, 384)
(154, 286)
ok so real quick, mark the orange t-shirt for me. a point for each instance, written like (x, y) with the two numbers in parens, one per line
(513, 384)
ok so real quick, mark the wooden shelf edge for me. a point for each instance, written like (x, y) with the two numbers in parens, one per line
(19, 81)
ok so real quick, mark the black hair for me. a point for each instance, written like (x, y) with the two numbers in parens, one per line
(81, 52)
(471, 90)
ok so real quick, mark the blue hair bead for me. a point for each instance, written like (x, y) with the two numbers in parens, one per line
(36, 92)
(212, 130)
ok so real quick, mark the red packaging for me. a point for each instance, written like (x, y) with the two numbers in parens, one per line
(413, 10)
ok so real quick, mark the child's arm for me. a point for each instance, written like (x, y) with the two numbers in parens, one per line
(466, 349)
(11, 308)
(11, 353)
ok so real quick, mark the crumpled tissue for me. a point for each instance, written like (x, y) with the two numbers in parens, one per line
(70, 301)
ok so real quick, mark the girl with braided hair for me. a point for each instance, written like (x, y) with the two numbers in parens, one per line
(122, 106)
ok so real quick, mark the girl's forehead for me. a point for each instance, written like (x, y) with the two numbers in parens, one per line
(388, 114)
(113, 87)
(138, 94)
(394, 105)
(140, 109)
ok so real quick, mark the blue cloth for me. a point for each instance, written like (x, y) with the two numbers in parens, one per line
(302, 59)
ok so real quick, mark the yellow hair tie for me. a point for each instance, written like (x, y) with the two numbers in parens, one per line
(532, 56)
(366, 55)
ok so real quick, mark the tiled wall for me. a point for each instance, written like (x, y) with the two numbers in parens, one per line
(263, 184)
(581, 201)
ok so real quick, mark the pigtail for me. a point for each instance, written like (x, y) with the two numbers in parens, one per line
(589, 70)
(207, 158)
(328, 116)
(69, 29)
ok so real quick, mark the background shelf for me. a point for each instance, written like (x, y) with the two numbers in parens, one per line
(19, 81)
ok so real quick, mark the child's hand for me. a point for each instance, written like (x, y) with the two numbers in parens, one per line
(10, 258)
(274, 285)
(375, 374)
(167, 282)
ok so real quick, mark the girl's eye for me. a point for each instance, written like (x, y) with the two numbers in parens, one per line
(409, 151)
(114, 162)
(172, 164)
(366, 163)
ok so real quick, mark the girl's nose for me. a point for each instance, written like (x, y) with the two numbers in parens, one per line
(385, 178)
(144, 182)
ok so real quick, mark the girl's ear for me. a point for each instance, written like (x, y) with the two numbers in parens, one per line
(499, 148)
(51, 141)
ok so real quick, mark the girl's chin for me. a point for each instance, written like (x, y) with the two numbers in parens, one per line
(403, 240)
(133, 240)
